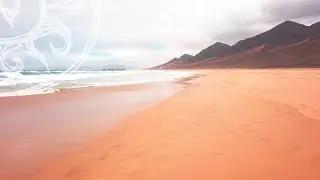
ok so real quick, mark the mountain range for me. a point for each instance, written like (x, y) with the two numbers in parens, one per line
(288, 44)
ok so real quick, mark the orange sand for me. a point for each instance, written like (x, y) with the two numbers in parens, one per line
(231, 125)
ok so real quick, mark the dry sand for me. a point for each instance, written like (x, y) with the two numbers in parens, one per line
(229, 125)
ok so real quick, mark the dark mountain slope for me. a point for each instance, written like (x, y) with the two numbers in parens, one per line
(315, 30)
(216, 50)
(305, 54)
(281, 41)
(177, 61)
(285, 33)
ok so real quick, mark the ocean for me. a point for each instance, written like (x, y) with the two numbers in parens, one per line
(41, 82)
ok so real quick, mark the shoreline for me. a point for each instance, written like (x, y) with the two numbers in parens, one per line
(119, 101)
(229, 125)
(30, 91)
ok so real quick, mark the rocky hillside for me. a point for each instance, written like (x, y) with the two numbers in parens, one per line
(288, 44)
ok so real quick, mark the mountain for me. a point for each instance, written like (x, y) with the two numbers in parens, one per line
(186, 57)
(299, 55)
(315, 30)
(216, 50)
(177, 61)
(285, 33)
(281, 46)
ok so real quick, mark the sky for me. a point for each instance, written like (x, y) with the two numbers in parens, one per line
(150, 32)
(145, 33)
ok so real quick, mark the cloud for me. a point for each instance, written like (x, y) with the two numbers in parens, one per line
(232, 35)
(244, 24)
(291, 9)
(150, 32)
(109, 46)
(181, 26)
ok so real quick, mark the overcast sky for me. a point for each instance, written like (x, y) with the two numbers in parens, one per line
(154, 31)
(151, 32)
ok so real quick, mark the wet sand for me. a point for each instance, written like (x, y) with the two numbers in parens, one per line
(35, 129)
(227, 125)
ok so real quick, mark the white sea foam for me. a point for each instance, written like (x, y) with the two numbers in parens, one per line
(27, 93)
(12, 84)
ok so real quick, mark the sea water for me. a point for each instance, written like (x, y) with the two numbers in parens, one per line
(40, 82)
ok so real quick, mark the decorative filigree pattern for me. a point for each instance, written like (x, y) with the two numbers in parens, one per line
(46, 26)
(10, 14)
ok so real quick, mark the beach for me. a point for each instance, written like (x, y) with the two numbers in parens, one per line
(225, 125)
(37, 128)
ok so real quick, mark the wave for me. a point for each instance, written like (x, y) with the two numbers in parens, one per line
(80, 79)
(27, 93)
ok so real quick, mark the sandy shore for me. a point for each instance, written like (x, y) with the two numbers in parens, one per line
(35, 129)
(228, 125)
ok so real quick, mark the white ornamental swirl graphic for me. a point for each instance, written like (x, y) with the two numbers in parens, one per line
(10, 14)
(47, 25)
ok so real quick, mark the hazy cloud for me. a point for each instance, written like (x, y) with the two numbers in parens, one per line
(150, 32)
(108, 46)
(291, 9)
(244, 24)
(231, 36)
